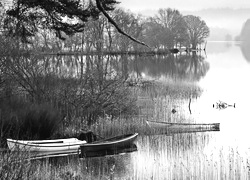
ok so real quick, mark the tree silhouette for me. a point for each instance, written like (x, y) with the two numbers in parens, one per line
(197, 30)
(173, 24)
(26, 17)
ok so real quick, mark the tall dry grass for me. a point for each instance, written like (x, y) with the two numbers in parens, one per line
(14, 165)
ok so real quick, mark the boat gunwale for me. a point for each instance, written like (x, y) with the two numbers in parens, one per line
(191, 124)
(49, 145)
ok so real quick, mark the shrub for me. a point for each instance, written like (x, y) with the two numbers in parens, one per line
(38, 122)
(24, 120)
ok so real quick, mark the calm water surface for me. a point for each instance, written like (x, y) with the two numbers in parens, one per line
(208, 155)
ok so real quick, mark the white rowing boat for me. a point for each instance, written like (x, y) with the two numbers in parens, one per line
(57, 145)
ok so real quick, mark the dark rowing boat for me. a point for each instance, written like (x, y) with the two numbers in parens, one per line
(114, 145)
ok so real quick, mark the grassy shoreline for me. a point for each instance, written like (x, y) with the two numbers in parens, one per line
(150, 99)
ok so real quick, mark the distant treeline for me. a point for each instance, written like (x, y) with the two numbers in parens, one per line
(168, 29)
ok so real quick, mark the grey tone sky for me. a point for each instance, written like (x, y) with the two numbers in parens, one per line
(188, 5)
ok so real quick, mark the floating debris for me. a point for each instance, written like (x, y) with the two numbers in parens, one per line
(222, 105)
(173, 111)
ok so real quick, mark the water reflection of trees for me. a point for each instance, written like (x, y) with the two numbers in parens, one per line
(87, 86)
(80, 86)
(190, 67)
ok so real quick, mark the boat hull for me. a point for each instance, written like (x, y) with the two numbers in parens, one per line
(65, 145)
(106, 152)
(110, 146)
(164, 127)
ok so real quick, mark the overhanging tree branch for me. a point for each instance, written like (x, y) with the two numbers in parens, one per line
(99, 6)
(26, 17)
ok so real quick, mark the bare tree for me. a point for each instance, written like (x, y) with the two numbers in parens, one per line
(151, 37)
(129, 23)
(170, 27)
(197, 30)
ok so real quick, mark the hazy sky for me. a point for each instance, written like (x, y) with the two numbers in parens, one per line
(138, 5)
(226, 14)
(232, 20)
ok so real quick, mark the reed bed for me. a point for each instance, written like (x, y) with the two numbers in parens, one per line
(185, 156)
(181, 156)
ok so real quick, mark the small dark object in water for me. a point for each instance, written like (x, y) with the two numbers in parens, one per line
(222, 105)
(174, 50)
(88, 136)
(173, 111)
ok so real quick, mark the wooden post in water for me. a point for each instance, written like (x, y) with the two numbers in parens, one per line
(189, 106)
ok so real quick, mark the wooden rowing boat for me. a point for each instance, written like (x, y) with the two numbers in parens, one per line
(165, 127)
(107, 152)
(57, 145)
(108, 146)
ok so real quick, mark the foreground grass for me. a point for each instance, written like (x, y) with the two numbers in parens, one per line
(13, 165)
(63, 168)
(17, 165)
(184, 156)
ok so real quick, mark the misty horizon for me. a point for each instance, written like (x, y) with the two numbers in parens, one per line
(221, 21)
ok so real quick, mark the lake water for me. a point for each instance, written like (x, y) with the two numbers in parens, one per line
(222, 74)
